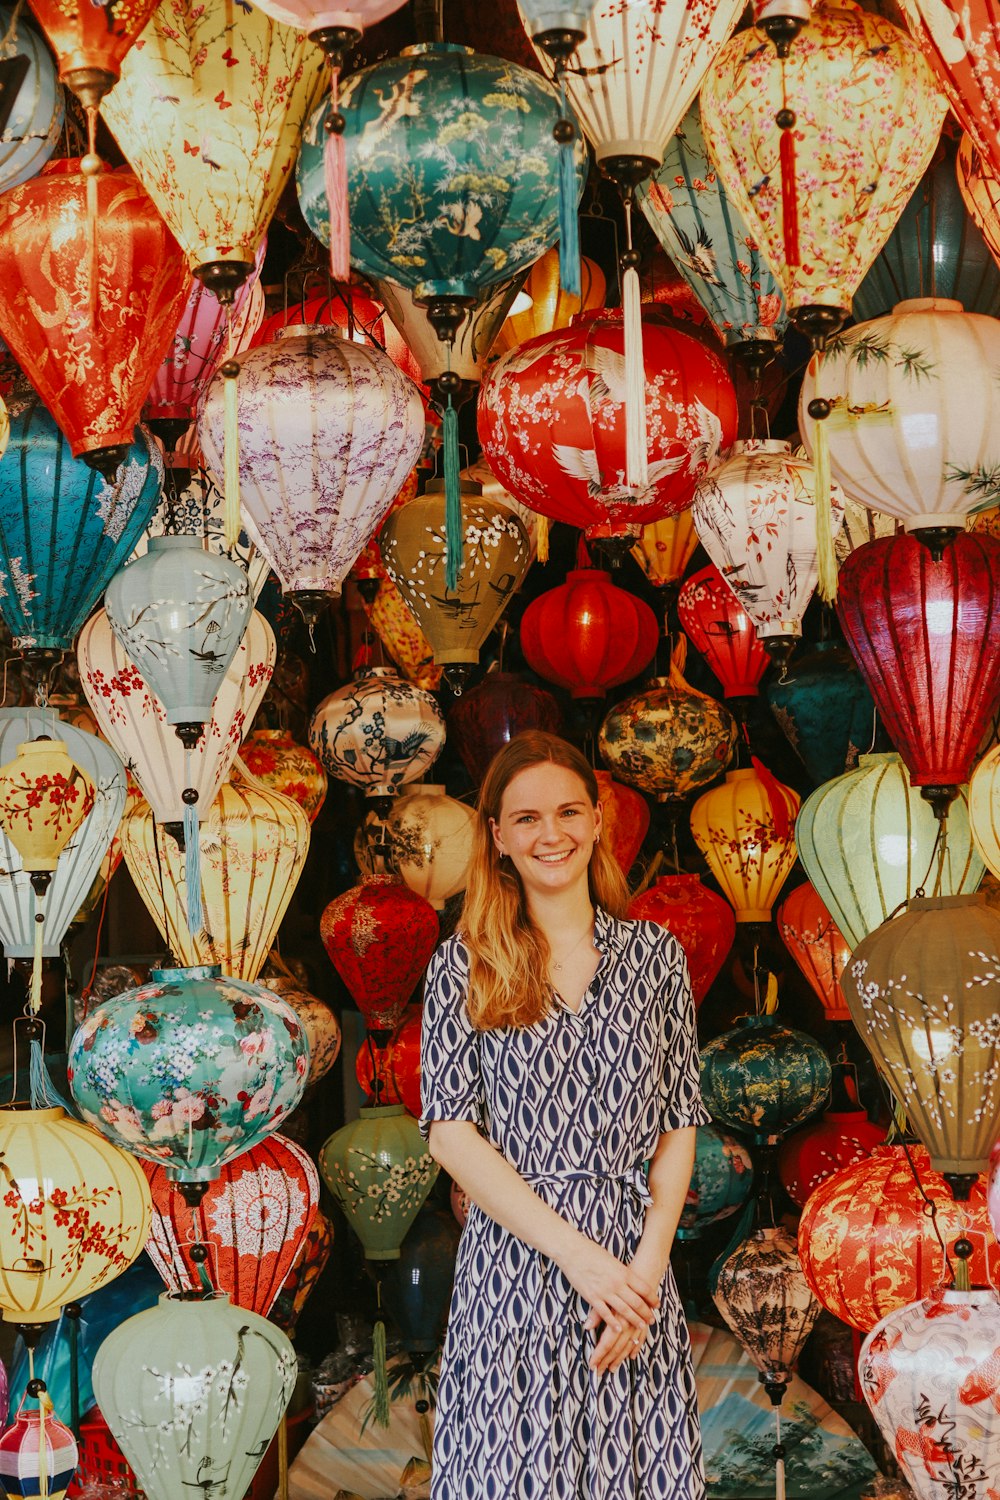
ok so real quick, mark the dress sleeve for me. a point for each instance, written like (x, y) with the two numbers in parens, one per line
(450, 1078)
(680, 1082)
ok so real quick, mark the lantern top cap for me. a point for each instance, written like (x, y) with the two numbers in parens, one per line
(173, 543)
(425, 49)
(380, 1111)
(760, 445)
(48, 1116)
(878, 758)
(424, 789)
(325, 331)
(946, 903)
(173, 1298)
(747, 774)
(929, 304)
(195, 971)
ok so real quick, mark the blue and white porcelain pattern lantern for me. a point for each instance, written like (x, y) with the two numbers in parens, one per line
(34, 124)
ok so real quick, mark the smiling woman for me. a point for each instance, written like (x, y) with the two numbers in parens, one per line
(560, 1090)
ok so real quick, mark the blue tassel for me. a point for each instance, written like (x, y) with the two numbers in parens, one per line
(569, 197)
(192, 868)
(42, 1091)
(452, 497)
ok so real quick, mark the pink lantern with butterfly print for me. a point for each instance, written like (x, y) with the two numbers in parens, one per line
(552, 423)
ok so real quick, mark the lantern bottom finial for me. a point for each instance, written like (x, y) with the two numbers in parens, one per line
(755, 356)
(456, 675)
(335, 41)
(940, 799)
(310, 603)
(89, 84)
(961, 1184)
(189, 734)
(779, 648)
(223, 277)
(628, 171)
(107, 461)
(819, 323)
(935, 538)
(782, 31)
(559, 42)
(446, 315)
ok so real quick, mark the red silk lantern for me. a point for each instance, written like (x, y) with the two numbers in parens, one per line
(722, 632)
(588, 635)
(926, 636)
(255, 1217)
(841, 1136)
(307, 1268)
(396, 1066)
(92, 363)
(625, 820)
(702, 922)
(379, 936)
(817, 945)
(354, 315)
(961, 41)
(552, 423)
(90, 41)
(489, 715)
(868, 1246)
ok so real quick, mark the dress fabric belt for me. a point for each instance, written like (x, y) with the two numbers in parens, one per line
(632, 1177)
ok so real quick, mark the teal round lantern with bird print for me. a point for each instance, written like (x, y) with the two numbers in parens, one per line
(764, 1078)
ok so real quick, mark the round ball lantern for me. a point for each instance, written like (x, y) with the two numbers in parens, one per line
(669, 740)
(192, 1390)
(926, 635)
(868, 840)
(624, 819)
(431, 837)
(552, 423)
(189, 1070)
(868, 1244)
(817, 945)
(824, 709)
(764, 1078)
(379, 936)
(488, 716)
(380, 1172)
(745, 830)
(588, 635)
(721, 631)
(286, 767)
(842, 1136)
(317, 1020)
(721, 1182)
(377, 732)
(75, 1212)
(700, 920)
(924, 992)
(35, 121)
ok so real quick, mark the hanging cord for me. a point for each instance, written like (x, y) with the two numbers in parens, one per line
(930, 1207)
(88, 988)
(91, 166)
(636, 462)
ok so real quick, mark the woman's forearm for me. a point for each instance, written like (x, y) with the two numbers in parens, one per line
(669, 1178)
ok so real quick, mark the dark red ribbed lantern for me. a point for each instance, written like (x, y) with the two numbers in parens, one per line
(396, 1066)
(379, 936)
(817, 945)
(722, 632)
(488, 716)
(701, 921)
(588, 635)
(925, 633)
(841, 1136)
(90, 334)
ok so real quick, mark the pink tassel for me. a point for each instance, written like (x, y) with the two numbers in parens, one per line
(335, 177)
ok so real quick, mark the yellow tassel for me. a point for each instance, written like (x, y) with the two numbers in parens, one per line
(771, 996)
(283, 1459)
(35, 996)
(44, 1408)
(543, 539)
(826, 558)
(231, 438)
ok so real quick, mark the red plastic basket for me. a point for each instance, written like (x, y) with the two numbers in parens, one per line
(101, 1459)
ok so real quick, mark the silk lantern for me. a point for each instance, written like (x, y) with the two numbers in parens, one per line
(868, 1243)
(980, 192)
(215, 174)
(488, 716)
(551, 306)
(405, 643)
(193, 1389)
(853, 110)
(624, 819)
(189, 1070)
(329, 431)
(922, 991)
(75, 1213)
(700, 920)
(817, 945)
(824, 709)
(588, 635)
(669, 739)
(926, 634)
(321, 1027)
(961, 47)
(745, 830)
(841, 1136)
(391, 1074)
(764, 1078)
(379, 936)
(436, 363)
(431, 835)
(288, 768)
(982, 816)
(761, 517)
(380, 1172)
(377, 732)
(90, 343)
(722, 632)
(35, 118)
(254, 1218)
(64, 531)
(664, 548)
(38, 1453)
(252, 849)
(768, 1304)
(721, 1182)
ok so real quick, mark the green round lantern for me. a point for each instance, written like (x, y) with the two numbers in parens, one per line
(764, 1078)
(669, 739)
(380, 1172)
(824, 710)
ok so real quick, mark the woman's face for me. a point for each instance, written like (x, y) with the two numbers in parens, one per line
(548, 826)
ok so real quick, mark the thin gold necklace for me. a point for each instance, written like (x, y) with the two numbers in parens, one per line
(569, 953)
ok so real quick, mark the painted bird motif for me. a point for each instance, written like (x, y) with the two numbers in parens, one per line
(581, 464)
(699, 255)
(397, 105)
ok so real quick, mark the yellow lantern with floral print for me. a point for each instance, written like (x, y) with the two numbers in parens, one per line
(745, 828)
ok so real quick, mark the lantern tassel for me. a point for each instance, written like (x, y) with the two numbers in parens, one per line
(380, 1373)
(452, 497)
(636, 466)
(826, 557)
(569, 224)
(192, 863)
(779, 1459)
(35, 995)
(231, 440)
(335, 178)
(789, 200)
(41, 1090)
(542, 534)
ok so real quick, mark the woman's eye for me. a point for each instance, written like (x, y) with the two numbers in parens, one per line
(570, 812)
(525, 818)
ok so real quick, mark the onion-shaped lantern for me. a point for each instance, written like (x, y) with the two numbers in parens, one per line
(254, 1218)
(926, 635)
(329, 431)
(431, 837)
(722, 632)
(745, 830)
(721, 1181)
(488, 716)
(924, 992)
(35, 121)
(624, 819)
(852, 110)
(38, 1453)
(700, 920)
(664, 548)
(868, 840)
(768, 1303)
(817, 945)
(824, 709)
(404, 641)
(588, 635)
(764, 1078)
(189, 1070)
(380, 1172)
(64, 531)
(74, 1214)
(669, 740)
(842, 1136)
(377, 732)
(286, 767)
(552, 423)
(379, 936)
(252, 846)
(321, 1027)
(193, 1391)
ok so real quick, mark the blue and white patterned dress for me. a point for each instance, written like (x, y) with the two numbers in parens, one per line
(576, 1103)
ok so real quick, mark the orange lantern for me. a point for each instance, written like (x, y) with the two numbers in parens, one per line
(817, 945)
(551, 307)
(745, 828)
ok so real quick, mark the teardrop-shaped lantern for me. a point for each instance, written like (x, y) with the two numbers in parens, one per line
(817, 945)
(700, 920)
(379, 936)
(189, 1070)
(407, 646)
(431, 835)
(824, 709)
(977, 183)
(487, 717)
(588, 635)
(377, 732)
(868, 840)
(669, 740)
(764, 1078)
(745, 828)
(34, 123)
(380, 1172)
(288, 768)
(722, 632)
(768, 1303)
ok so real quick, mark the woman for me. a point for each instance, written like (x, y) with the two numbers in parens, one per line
(558, 1057)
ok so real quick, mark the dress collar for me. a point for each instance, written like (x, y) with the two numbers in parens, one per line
(610, 935)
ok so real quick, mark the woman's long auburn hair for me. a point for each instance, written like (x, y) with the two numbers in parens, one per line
(509, 955)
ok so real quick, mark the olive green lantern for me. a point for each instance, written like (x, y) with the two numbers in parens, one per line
(380, 1172)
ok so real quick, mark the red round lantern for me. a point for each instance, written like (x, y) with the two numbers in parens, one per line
(379, 936)
(552, 422)
(92, 360)
(396, 1066)
(702, 922)
(841, 1136)
(255, 1217)
(722, 632)
(489, 715)
(90, 41)
(817, 945)
(625, 819)
(588, 635)
(354, 315)
(868, 1245)
(925, 633)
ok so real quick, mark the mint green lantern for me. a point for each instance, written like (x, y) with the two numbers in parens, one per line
(380, 1172)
